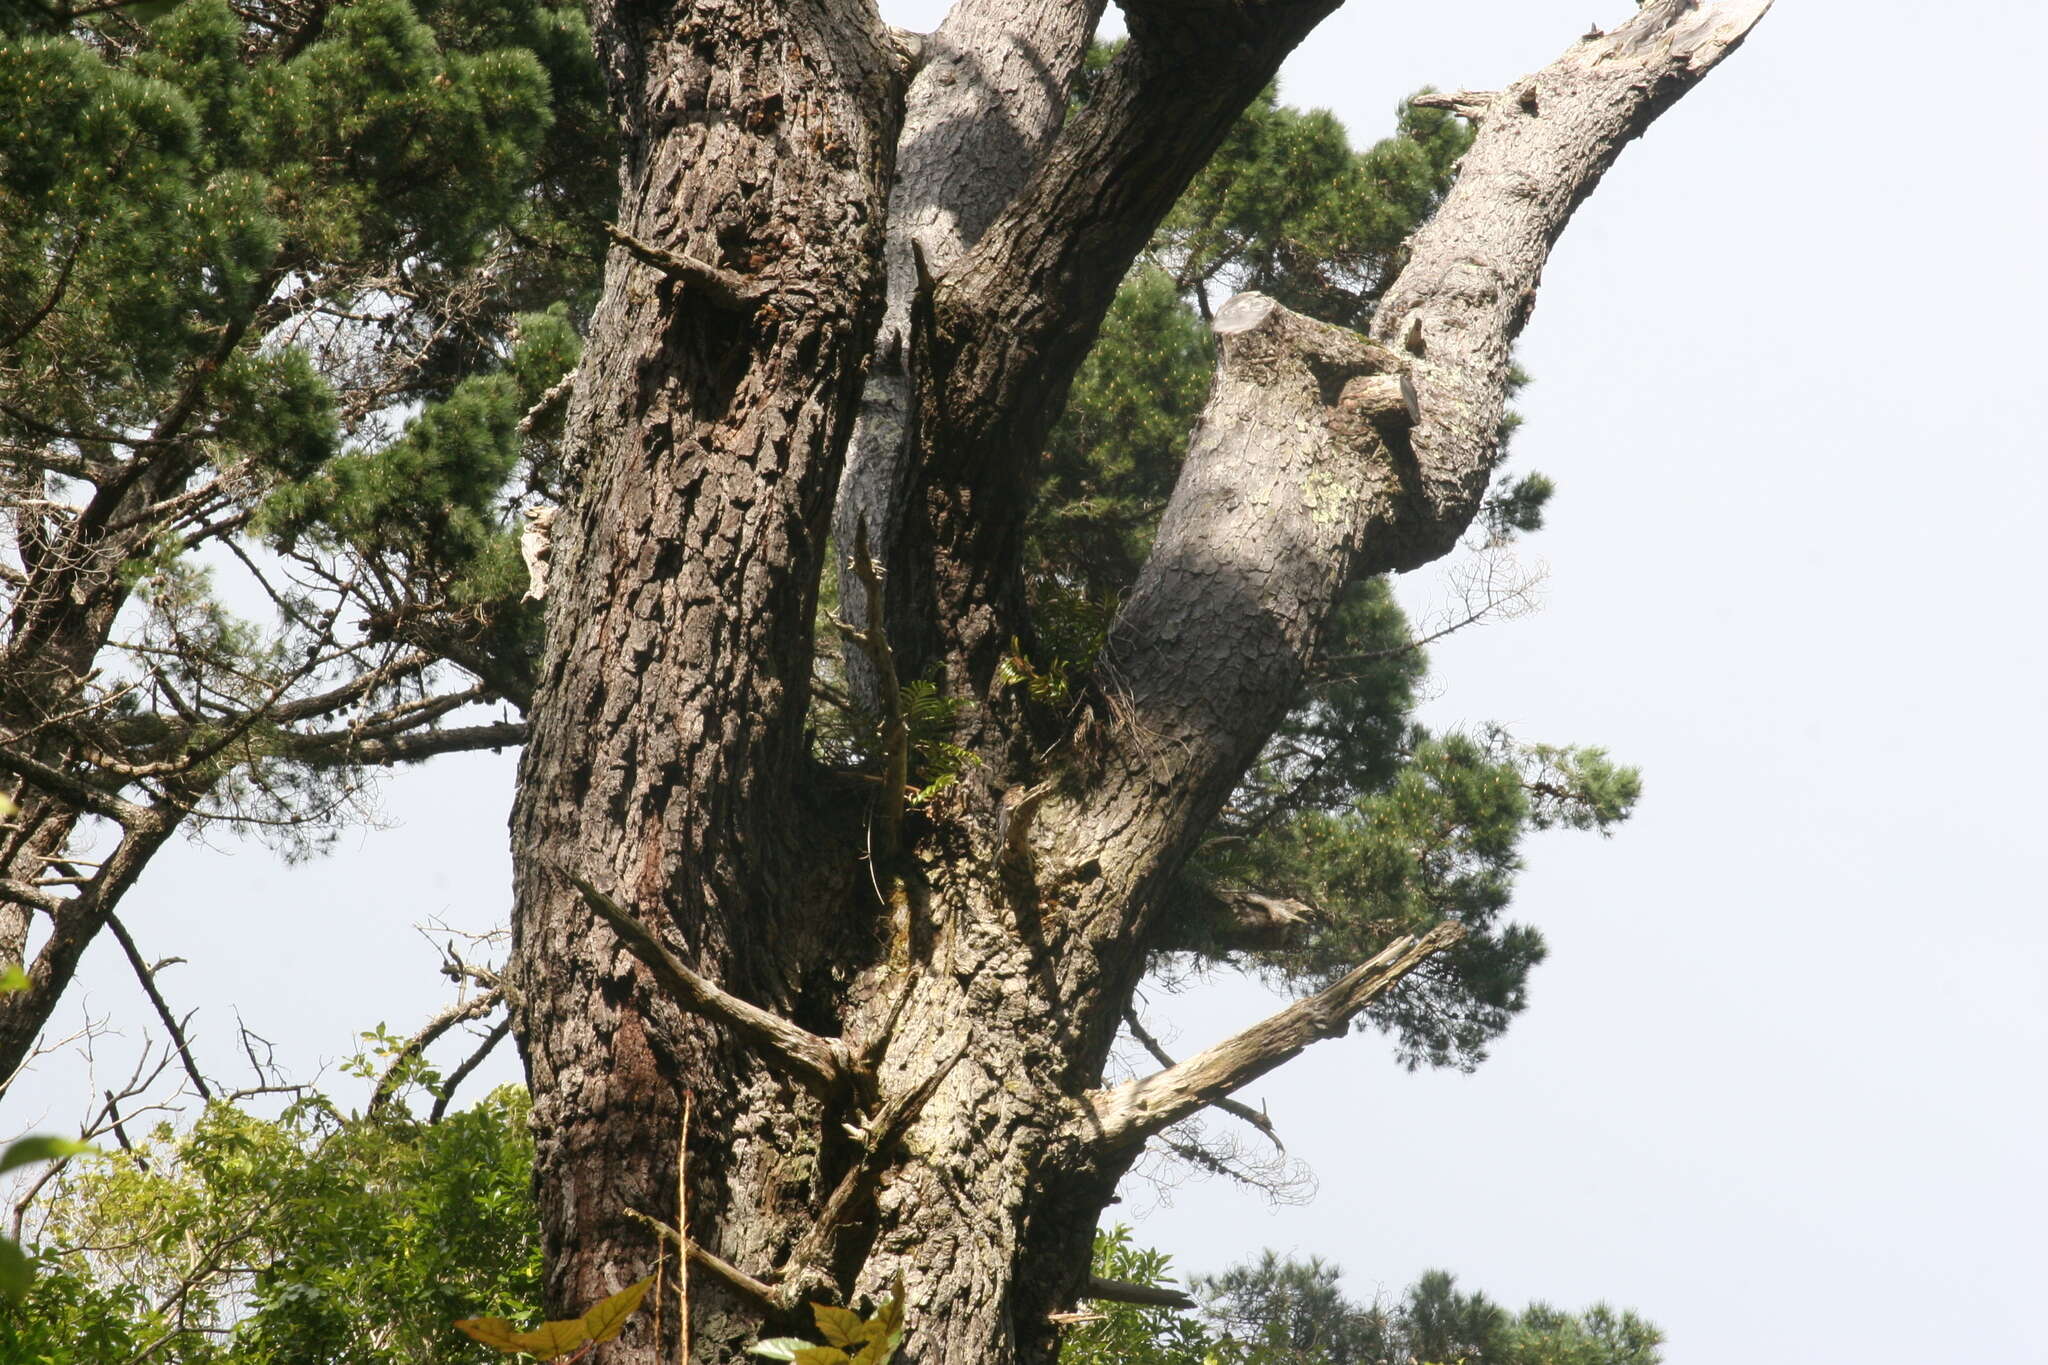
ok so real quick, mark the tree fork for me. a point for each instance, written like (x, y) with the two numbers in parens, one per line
(666, 750)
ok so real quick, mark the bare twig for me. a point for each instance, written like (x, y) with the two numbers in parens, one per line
(146, 976)
(469, 1064)
(460, 1012)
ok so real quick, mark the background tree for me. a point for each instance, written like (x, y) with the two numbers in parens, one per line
(286, 297)
(896, 1018)
(1282, 1311)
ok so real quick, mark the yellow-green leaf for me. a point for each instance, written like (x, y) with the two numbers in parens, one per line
(553, 1339)
(12, 979)
(820, 1355)
(884, 1330)
(42, 1147)
(839, 1326)
(608, 1319)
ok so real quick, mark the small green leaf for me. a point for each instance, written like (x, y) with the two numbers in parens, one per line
(42, 1147)
(15, 1270)
(778, 1348)
(12, 979)
(821, 1355)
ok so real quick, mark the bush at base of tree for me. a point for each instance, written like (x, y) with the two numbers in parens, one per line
(309, 1239)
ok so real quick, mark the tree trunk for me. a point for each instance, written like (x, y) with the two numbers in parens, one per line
(894, 1024)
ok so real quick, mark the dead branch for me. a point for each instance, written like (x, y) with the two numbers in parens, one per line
(1257, 1118)
(1139, 1108)
(460, 1012)
(470, 1063)
(758, 1290)
(1150, 1296)
(822, 1065)
(726, 289)
(145, 975)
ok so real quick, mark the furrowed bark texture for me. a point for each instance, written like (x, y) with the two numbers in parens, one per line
(662, 760)
(930, 1103)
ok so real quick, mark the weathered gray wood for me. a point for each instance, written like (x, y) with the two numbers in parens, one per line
(1139, 1108)
(988, 97)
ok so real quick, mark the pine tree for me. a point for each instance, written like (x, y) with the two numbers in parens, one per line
(299, 287)
(286, 304)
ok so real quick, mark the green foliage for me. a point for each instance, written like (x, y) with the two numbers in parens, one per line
(236, 257)
(1111, 460)
(930, 718)
(15, 1269)
(308, 1238)
(432, 497)
(1129, 1334)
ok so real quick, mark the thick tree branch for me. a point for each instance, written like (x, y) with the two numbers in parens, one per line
(873, 642)
(1139, 1108)
(1206, 919)
(1150, 1296)
(823, 1065)
(1305, 472)
(1257, 1118)
(1470, 282)
(343, 747)
(1013, 322)
(61, 784)
(990, 93)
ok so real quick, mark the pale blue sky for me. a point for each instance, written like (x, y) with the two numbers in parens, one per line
(1779, 1087)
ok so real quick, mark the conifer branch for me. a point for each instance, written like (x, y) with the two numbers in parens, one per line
(822, 1065)
(1139, 1108)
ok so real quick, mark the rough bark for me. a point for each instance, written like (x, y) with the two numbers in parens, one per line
(667, 734)
(896, 1044)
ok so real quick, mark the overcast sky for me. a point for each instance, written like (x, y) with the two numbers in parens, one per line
(1779, 1088)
